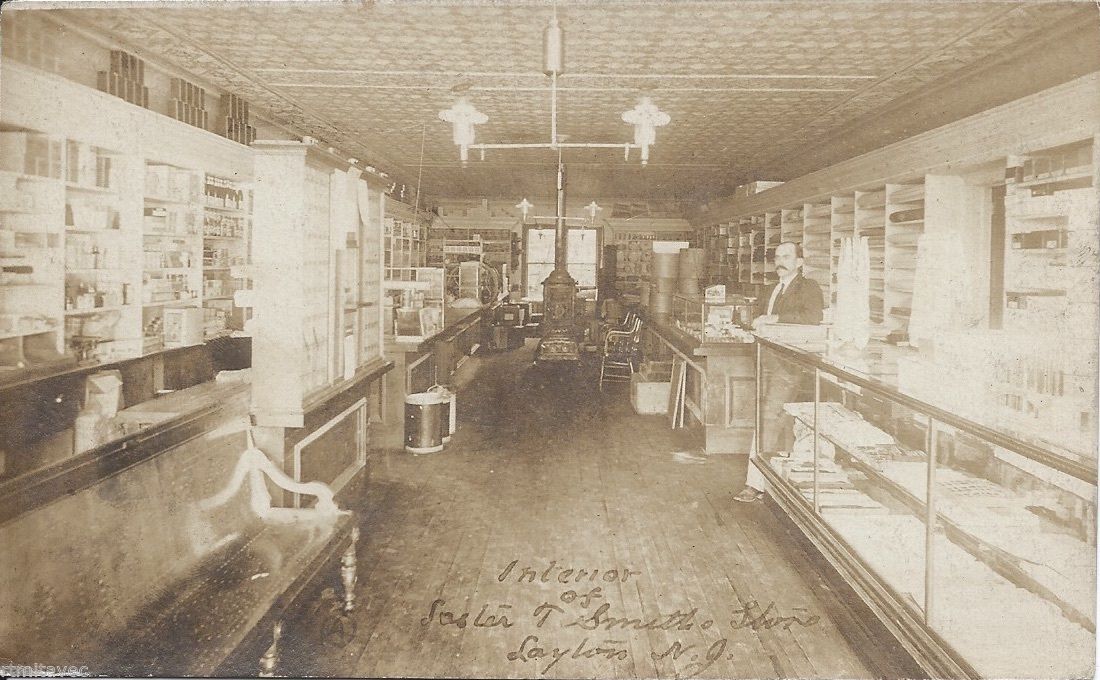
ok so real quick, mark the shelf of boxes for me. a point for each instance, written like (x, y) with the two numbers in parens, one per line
(405, 247)
(816, 245)
(759, 239)
(105, 290)
(773, 236)
(733, 251)
(633, 262)
(496, 244)
(904, 226)
(90, 284)
(870, 222)
(717, 254)
(791, 221)
(744, 250)
(1052, 226)
(842, 225)
(102, 244)
(172, 257)
(31, 266)
(226, 232)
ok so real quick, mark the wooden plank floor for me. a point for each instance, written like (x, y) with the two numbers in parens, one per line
(556, 536)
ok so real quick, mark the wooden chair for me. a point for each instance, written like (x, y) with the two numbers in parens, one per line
(620, 352)
(624, 325)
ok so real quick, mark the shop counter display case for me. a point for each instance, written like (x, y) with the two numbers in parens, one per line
(414, 304)
(977, 549)
(712, 321)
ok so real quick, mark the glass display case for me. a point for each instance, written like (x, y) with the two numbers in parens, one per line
(977, 549)
(712, 320)
(414, 303)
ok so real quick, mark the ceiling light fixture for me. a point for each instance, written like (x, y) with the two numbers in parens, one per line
(464, 117)
(526, 206)
(645, 116)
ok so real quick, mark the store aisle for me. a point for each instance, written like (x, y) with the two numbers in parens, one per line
(557, 536)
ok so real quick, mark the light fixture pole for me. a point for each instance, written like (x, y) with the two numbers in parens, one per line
(559, 293)
(645, 116)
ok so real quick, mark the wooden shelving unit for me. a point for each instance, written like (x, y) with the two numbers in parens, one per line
(31, 266)
(791, 224)
(105, 301)
(1051, 240)
(172, 256)
(773, 236)
(759, 240)
(403, 248)
(904, 226)
(317, 229)
(870, 222)
(1052, 237)
(842, 225)
(633, 263)
(720, 249)
(226, 235)
(496, 244)
(1052, 225)
(816, 244)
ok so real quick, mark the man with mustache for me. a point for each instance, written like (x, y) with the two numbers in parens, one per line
(794, 299)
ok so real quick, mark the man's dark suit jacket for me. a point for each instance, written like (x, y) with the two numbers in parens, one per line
(801, 302)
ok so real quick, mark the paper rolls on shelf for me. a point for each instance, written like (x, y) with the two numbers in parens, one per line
(852, 315)
(666, 265)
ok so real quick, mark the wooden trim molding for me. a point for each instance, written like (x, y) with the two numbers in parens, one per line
(1065, 52)
(1059, 115)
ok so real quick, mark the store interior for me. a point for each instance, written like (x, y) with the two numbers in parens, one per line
(566, 339)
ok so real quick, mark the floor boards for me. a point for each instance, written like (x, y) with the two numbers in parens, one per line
(548, 474)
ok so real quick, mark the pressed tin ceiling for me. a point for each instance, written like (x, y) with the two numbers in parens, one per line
(747, 84)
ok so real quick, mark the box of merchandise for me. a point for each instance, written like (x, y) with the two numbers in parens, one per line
(649, 388)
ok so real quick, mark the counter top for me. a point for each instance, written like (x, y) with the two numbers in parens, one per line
(454, 320)
(365, 373)
(177, 402)
(65, 367)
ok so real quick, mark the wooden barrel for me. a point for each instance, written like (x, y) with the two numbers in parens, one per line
(692, 262)
(666, 285)
(660, 303)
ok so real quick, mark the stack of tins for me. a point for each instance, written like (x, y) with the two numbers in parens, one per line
(692, 261)
(665, 269)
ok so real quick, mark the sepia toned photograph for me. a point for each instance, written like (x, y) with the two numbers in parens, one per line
(549, 338)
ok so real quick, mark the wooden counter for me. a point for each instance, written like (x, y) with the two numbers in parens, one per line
(331, 445)
(421, 364)
(721, 383)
